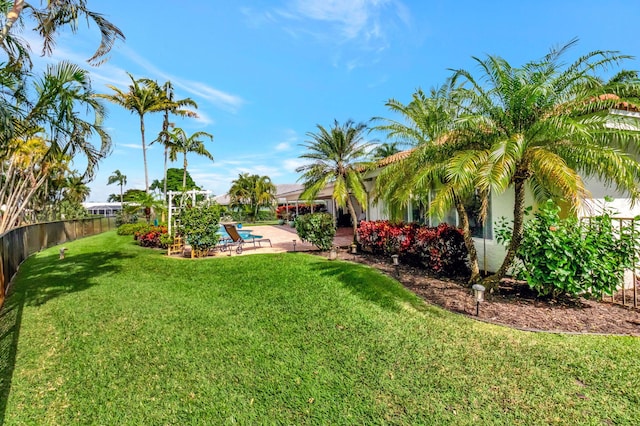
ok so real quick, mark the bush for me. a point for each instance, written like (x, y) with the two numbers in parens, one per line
(569, 257)
(440, 249)
(199, 227)
(125, 218)
(316, 228)
(152, 236)
(132, 228)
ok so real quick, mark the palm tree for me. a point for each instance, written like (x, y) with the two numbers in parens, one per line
(75, 189)
(120, 179)
(543, 125)
(181, 143)
(148, 202)
(385, 150)
(144, 96)
(337, 157)
(62, 13)
(252, 190)
(427, 127)
(172, 106)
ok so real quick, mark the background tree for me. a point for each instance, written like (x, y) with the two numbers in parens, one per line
(143, 96)
(176, 107)
(385, 150)
(253, 191)
(337, 157)
(120, 179)
(184, 144)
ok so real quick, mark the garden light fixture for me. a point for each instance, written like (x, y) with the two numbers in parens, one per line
(478, 293)
(294, 245)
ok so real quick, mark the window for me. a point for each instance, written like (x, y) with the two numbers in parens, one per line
(477, 227)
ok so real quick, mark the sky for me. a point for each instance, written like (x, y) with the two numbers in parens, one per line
(266, 73)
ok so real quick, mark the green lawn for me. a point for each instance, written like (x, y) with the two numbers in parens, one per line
(118, 334)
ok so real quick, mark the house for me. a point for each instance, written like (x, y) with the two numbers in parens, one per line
(490, 252)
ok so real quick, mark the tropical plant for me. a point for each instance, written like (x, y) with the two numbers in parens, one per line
(143, 96)
(50, 19)
(573, 257)
(50, 130)
(252, 191)
(120, 179)
(172, 106)
(75, 189)
(544, 124)
(317, 228)
(429, 127)
(146, 201)
(385, 150)
(337, 156)
(184, 144)
(199, 226)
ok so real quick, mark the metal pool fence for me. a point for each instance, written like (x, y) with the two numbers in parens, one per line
(19, 243)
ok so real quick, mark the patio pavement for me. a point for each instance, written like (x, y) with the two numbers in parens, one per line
(282, 238)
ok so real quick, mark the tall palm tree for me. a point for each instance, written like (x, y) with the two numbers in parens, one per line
(182, 143)
(143, 96)
(177, 107)
(62, 13)
(120, 179)
(545, 124)
(253, 190)
(427, 126)
(337, 157)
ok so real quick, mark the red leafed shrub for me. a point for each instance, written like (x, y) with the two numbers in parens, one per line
(151, 236)
(440, 249)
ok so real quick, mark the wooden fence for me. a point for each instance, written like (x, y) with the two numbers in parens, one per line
(18, 244)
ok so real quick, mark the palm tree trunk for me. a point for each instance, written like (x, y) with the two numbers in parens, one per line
(354, 219)
(164, 190)
(165, 129)
(12, 17)
(184, 174)
(121, 197)
(516, 237)
(144, 155)
(468, 242)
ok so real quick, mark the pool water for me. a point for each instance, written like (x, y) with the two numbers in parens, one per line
(245, 234)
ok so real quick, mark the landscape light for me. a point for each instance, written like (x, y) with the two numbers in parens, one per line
(478, 293)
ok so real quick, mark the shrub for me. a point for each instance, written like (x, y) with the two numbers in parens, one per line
(125, 218)
(199, 227)
(152, 236)
(131, 228)
(440, 249)
(569, 257)
(316, 228)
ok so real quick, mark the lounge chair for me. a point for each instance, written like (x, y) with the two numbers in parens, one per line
(236, 240)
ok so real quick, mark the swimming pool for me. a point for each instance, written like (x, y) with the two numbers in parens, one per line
(245, 234)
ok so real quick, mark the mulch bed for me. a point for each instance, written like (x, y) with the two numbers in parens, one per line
(514, 304)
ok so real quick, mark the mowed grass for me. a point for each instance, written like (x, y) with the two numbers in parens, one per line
(118, 334)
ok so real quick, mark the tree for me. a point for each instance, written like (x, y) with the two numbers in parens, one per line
(148, 202)
(385, 150)
(253, 191)
(49, 131)
(143, 97)
(50, 18)
(337, 157)
(543, 125)
(428, 126)
(172, 106)
(76, 190)
(174, 181)
(120, 179)
(182, 143)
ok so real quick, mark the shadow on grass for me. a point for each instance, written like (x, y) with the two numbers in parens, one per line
(40, 280)
(370, 285)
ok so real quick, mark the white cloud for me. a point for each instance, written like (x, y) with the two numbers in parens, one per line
(220, 99)
(367, 21)
(282, 146)
(291, 164)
